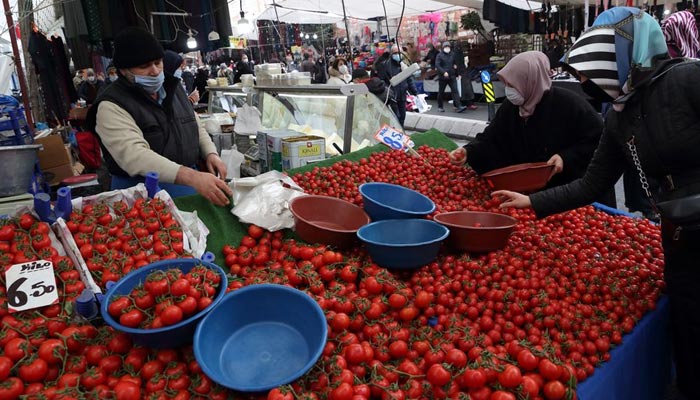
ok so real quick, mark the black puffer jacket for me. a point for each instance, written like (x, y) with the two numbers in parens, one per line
(445, 63)
(663, 115)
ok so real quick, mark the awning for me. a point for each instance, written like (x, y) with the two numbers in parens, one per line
(289, 16)
(521, 4)
(363, 9)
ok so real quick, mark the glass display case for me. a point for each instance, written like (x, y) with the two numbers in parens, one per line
(347, 115)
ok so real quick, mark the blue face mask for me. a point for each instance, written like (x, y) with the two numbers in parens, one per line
(396, 57)
(151, 84)
(178, 73)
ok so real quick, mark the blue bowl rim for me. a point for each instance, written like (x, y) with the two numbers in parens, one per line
(158, 265)
(365, 196)
(422, 221)
(238, 292)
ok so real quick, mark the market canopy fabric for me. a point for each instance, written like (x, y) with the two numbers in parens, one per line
(298, 16)
(363, 9)
(521, 4)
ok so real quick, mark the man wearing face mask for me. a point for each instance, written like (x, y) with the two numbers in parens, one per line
(90, 88)
(243, 67)
(146, 123)
(387, 70)
(111, 74)
(447, 75)
(537, 123)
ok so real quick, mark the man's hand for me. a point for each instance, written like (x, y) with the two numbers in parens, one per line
(512, 199)
(458, 156)
(207, 185)
(446, 75)
(194, 96)
(216, 166)
(558, 163)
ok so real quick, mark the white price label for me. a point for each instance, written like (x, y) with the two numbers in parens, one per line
(30, 285)
(392, 138)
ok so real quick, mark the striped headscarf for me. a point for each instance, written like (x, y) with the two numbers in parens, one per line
(681, 32)
(621, 39)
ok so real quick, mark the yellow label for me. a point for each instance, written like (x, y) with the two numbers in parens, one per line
(285, 151)
(309, 151)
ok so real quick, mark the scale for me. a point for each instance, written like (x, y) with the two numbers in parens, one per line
(9, 204)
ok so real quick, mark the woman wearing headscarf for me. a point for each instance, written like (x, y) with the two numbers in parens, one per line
(654, 126)
(536, 123)
(681, 33)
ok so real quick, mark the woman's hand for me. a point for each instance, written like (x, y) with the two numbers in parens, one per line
(513, 199)
(458, 156)
(194, 96)
(216, 166)
(558, 163)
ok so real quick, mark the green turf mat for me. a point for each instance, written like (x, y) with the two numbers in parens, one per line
(224, 227)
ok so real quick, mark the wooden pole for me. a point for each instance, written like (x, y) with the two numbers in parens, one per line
(18, 63)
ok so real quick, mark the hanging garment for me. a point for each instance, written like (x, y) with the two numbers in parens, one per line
(41, 53)
(92, 18)
(68, 93)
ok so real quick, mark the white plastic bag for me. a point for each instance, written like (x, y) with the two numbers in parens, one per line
(233, 160)
(213, 124)
(264, 200)
(248, 121)
(421, 105)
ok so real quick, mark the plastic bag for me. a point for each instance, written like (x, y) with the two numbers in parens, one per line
(213, 124)
(233, 160)
(248, 120)
(420, 103)
(264, 200)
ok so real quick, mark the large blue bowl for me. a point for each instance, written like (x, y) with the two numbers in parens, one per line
(403, 243)
(260, 337)
(169, 336)
(386, 201)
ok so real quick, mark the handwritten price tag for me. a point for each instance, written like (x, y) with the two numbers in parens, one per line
(30, 285)
(393, 138)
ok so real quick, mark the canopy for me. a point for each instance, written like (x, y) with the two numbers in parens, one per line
(521, 4)
(298, 16)
(358, 9)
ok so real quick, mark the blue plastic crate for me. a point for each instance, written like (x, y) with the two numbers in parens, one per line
(18, 124)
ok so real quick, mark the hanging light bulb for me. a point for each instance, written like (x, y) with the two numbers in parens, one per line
(191, 41)
(315, 36)
(301, 35)
(243, 24)
(306, 36)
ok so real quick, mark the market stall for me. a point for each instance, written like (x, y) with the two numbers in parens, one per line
(574, 297)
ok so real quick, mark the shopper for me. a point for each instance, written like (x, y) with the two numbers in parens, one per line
(412, 53)
(431, 55)
(308, 65)
(145, 123)
(243, 67)
(681, 33)
(447, 76)
(173, 65)
(111, 74)
(467, 98)
(338, 72)
(387, 68)
(655, 126)
(90, 88)
(537, 123)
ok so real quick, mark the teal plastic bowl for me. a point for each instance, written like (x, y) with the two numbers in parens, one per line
(260, 337)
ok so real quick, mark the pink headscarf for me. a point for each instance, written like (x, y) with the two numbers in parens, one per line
(681, 32)
(528, 73)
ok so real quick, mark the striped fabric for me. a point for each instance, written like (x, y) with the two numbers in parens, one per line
(593, 55)
(681, 32)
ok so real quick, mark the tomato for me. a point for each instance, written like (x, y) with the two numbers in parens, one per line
(127, 391)
(33, 371)
(11, 388)
(554, 390)
(255, 231)
(16, 349)
(171, 315)
(530, 386)
(152, 368)
(110, 364)
(180, 287)
(52, 351)
(501, 395)
(132, 318)
(5, 365)
(527, 360)
(188, 305)
(94, 353)
(344, 391)
(549, 370)
(279, 394)
(437, 375)
(93, 378)
(7, 233)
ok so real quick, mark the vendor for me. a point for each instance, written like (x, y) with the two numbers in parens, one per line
(146, 123)
(536, 123)
(655, 127)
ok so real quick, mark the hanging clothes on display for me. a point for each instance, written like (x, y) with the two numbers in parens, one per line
(64, 77)
(76, 34)
(56, 101)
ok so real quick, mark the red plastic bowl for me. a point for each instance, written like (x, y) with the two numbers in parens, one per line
(327, 220)
(475, 231)
(522, 178)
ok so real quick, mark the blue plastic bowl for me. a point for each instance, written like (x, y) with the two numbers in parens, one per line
(403, 243)
(260, 337)
(386, 201)
(169, 336)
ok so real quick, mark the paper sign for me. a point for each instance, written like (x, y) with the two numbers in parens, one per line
(393, 138)
(30, 285)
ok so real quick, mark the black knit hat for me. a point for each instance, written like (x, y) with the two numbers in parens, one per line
(135, 46)
(171, 62)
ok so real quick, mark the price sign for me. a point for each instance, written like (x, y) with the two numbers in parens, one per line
(30, 285)
(393, 138)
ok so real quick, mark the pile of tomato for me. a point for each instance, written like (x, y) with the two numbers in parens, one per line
(529, 321)
(166, 298)
(116, 238)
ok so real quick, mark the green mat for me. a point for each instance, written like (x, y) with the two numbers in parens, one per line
(224, 227)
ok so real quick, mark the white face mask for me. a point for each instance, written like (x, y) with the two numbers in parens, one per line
(91, 79)
(447, 50)
(245, 60)
(343, 69)
(514, 96)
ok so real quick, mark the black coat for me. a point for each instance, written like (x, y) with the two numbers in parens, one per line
(390, 68)
(445, 63)
(563, 123)
(663, 114)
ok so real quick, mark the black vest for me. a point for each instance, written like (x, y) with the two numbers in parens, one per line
(170, 129)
